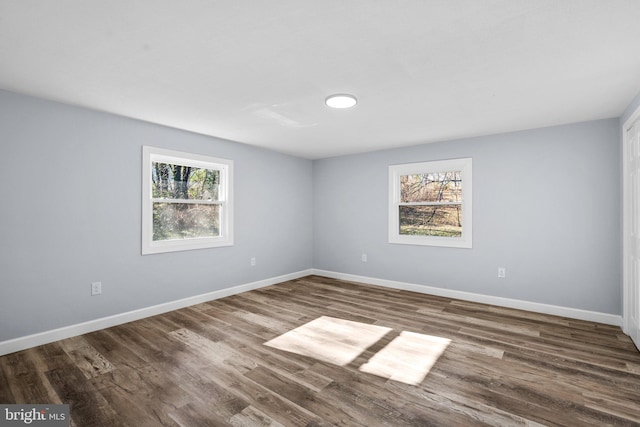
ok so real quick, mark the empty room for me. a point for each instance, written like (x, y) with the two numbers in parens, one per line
(297, 213)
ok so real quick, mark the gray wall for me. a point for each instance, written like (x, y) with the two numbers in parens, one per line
(546, 205)
(70, 181)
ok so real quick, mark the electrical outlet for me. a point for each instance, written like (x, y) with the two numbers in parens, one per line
(253, 261)
(96, 288)
(364, 257)
(502, 272)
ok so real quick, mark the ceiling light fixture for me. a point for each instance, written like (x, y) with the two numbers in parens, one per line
(341, 100)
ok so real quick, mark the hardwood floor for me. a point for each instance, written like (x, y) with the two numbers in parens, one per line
(207, 365)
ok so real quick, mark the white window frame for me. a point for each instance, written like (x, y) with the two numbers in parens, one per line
(153, 154)
(463, 165)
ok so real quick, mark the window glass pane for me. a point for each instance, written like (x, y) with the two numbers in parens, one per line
(173, 221)
(431, 220)
(170, 181)
(431, 187)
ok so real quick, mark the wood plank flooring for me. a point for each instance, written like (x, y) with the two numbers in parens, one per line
(207, 365)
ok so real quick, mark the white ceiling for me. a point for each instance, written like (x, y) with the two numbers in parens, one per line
(258, 72)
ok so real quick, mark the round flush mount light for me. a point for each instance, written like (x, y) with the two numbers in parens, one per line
(341, 100)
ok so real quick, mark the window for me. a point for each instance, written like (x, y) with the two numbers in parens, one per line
(430, 203)
(187, 201)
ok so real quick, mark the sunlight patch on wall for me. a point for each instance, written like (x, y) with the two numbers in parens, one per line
(408, 358)
(329, 339)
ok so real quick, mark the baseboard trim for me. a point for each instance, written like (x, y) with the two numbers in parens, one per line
(22, 343)
(573, 313)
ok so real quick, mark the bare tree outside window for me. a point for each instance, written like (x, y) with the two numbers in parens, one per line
(180, 208)
(431, 204)
(187, 201)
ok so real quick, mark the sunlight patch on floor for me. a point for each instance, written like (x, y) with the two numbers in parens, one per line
(408, 358)
(329, 339)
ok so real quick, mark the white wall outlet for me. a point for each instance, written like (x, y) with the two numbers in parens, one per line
(253, 261)
(96, 288)
(502, 272)
(364, 257)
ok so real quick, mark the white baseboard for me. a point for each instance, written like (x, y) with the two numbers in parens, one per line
(573, 313)
(46, 337)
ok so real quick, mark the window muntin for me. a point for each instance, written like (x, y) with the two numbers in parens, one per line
(187, 201)
(430, 203)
